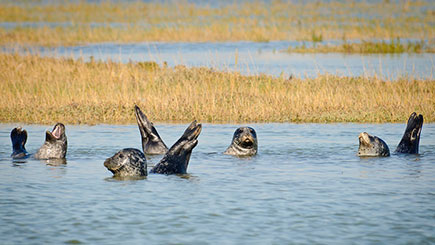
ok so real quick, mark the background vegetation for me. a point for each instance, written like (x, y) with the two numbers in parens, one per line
(78, 22)
(47, 90)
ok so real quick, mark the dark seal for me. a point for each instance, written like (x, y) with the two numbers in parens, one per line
(244, 142)
(126, 163)
(19, 139)
(372, 146)
(152, 144)
(177, 158)
(55, 145)
(411, 138)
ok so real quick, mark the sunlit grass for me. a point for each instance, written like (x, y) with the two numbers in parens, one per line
(366, 47)
(47, 90)
(71, 23)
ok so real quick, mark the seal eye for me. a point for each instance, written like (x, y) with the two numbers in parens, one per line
(121, 156)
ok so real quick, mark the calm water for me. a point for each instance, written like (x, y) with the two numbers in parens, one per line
(306, 186)
(254, 58)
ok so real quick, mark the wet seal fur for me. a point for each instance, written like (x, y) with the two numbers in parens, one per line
(244, 142)
(372, 146)
(152, 144)
(411, 138)
(127, 162)
(54, 147)
(177, 158)
(19, 139)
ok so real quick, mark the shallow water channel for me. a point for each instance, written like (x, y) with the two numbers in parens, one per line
(305, 186)
(251, 58)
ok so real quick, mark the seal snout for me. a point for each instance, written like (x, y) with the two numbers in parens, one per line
(364, 138)
(111, 165)
(247, 140)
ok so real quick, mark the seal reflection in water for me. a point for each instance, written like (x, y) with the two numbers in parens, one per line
(152, 144)
(127, 162)
(244, 142)
(177, 158)
(54, 147)
(372, 146)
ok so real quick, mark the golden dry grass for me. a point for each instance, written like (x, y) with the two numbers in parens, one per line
(111, 21)
(47, 90)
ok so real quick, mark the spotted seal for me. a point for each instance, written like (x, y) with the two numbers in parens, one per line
(54, 147)
(244, 142)
(411, 138)
(127, 162)
(19, 139)
(372, 146)
(152, 144)
(177, 157)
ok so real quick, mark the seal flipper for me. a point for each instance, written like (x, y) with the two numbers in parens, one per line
(177, 158)
(411, 138)
(152, 144)
(19, 139)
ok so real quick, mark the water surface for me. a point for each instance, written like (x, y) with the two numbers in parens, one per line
(251, 58)
(306, 186)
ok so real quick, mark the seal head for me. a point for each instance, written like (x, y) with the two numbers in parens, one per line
(127, 162)
(152, 144)
(244, 142)
(19, 139)
(177, 158)
(372, 146)
(411, 138)
(55, 145)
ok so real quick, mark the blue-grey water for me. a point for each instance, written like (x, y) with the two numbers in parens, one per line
(252, 58)
(306, 186)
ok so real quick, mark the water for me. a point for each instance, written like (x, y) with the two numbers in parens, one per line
(305, 186)
(251, 58)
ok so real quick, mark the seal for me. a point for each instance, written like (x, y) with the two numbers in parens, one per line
(152, 144)
(244, 142)
(411, 138)
(55, 145)
(372, 146)
(127, 162)
(177, 158)
(19, 139)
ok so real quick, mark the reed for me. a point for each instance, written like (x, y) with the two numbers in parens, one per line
(366, 47)
(47, 90)
(78, 22)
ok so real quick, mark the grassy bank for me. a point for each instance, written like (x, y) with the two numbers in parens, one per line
(66, 23)
(47, 90)
(366, 47)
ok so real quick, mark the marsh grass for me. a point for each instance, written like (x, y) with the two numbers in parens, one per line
(47, 90)
(366, 47)
(72, 23)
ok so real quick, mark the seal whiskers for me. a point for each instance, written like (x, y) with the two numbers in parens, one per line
(244, 142)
